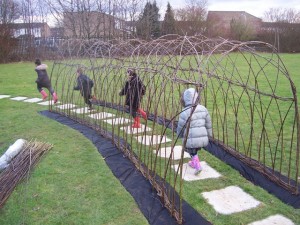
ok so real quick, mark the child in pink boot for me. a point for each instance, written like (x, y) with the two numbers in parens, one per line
(134, 89)
(43, 80)
(196, 119)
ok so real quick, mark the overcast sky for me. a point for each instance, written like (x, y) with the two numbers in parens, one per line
(254, 7)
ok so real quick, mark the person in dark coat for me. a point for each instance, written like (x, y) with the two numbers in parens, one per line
(84, 85)
(43, 80)
(134, 89)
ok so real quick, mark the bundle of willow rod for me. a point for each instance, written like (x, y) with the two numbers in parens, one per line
(20, 167)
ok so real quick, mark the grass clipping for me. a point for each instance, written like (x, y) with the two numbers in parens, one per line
(20, 167)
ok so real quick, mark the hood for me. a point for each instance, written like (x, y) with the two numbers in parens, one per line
(42, 67)
(190, 97)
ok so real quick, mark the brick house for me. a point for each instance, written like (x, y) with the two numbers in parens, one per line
(93, 25)
(36, 30)
(219, 22)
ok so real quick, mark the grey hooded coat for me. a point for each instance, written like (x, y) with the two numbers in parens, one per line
(200, 126)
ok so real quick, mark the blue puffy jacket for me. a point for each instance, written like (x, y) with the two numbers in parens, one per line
(200, 126)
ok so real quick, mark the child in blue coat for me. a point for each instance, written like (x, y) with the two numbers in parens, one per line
(200, 127)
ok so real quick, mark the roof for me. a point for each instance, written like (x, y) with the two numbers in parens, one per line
(230, 14)
(27, 25)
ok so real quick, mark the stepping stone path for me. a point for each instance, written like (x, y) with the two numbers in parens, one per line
(51, 102)
(118, 120)
(206, 173)
(82, 110)
(229, 200)
(66, 106)
(101, 115)
(19, 98)
(155, 139)
(276, 219)
(4, 96)
(33, 100)
(130, 130)
(176, 153)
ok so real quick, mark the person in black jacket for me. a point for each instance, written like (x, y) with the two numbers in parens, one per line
(84, 84)
(43, 80)
(134, 89)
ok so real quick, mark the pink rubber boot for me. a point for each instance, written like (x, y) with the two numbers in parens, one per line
(54, 97)
(191, 163)
(137, 123)
(44, 94)
(197, 165)
(143, 113)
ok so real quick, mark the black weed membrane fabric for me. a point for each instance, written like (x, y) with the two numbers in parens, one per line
(254, 176)
(134, 182)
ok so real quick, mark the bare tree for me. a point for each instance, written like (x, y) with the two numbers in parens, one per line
(94, 18)
(33, 11)
(129, 10)
(194, 13)
(241, 30)
(282, 15)
(9, 11)
(282, 29)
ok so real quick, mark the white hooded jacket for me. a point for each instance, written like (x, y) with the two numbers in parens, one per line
(200, 126)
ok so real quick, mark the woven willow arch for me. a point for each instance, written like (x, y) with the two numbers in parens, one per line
(245, 86)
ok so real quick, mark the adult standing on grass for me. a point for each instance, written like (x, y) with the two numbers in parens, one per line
(84, 85)
(134, 89)
(43, 80)
(195, 119)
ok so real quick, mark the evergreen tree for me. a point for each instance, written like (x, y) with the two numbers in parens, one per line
(169, 24)
(148, 24)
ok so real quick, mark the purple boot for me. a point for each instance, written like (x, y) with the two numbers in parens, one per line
(197, 165)
(191, 163)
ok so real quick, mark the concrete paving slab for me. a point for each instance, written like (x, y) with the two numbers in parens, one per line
(82, 110)
(130, 130)
(101, 115)
(33, 100)
(165, 152)
(66, 106)
(274, 220)
(4, 96)
(155, 139)
(206, 173)
(51, 102)
(19, 98)
(118, 120)
(230, 200)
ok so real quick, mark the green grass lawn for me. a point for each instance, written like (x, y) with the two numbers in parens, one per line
(73, 185)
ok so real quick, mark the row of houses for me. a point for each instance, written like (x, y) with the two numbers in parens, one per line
(96, 24)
